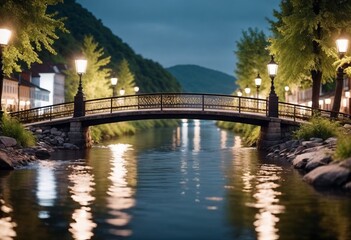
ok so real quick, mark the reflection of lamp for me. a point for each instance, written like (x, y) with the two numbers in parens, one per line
(122, 91)
(114, 83)
(5, 35)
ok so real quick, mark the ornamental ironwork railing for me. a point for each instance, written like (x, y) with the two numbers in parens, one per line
(170, 102)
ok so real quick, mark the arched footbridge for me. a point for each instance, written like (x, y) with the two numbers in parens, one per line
(80, 115)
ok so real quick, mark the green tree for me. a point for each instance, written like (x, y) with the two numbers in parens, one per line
(125, 78)
(253, 56)
(33, 29)
(304, 40)
(95, 81)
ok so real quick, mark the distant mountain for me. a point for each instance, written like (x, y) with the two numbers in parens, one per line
(150, 76)
(198, 79)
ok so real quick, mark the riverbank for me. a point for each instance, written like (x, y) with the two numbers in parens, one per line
(13, 156)
(315, 160)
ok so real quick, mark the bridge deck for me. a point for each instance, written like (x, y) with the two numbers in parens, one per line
(169, 105)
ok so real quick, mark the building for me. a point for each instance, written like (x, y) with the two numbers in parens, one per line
(9, 100)
(326, 97)
(52, 78)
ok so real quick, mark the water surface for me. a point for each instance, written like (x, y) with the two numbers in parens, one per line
(191, 182)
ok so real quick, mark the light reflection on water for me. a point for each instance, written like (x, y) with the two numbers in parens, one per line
(267, 201)
(120, 193)
(81, 186)
(7, 225)
(46, 187)
(260, 184)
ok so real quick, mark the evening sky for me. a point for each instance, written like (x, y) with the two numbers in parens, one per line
(171, 32)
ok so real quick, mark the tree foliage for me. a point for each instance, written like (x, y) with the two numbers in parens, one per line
(95, 81)
(125, 78)
(253, 56)
(304, 40)
(33, 29)
(150, 76)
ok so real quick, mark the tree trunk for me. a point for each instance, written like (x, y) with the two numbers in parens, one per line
(316, 85)
(338, 91)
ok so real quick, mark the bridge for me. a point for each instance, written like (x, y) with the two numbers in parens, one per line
(77, 116)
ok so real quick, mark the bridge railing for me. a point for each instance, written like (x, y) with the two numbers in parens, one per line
(171, 101)
(303, 113)
(45, 113)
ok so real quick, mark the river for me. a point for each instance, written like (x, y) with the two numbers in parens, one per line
(191, 182)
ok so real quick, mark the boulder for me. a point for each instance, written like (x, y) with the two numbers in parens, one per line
(8, 141)
(311, 144)
(70, 146)
(346, 163)
(5, 162)
(328, 176)
(312, 158)
(319, 160)
(301, 160)
(42, 154)
(347, 186)
(331, 141)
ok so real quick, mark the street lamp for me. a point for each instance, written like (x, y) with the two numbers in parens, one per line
(247, 90)
(342, 46)
(114, 83)
(239, 93)
(5, 35)
(286, 88)
(272, 67)
(79, 107)
(122, 91)
(136, 89)
(258, 81)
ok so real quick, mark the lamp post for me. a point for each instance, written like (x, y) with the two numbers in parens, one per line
(247, 90)
(136, 89)
(272, 67)
(258, 81)
(114, 83)
(239, 93)
(286, 88)
(79, 98)
(342, 46)
(5, 35)
(122, 91)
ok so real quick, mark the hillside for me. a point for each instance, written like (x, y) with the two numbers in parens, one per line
(198, 79)
(150, 76)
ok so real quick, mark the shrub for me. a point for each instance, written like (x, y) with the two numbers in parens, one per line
(318, 127)
(343, 148)
(11, 127)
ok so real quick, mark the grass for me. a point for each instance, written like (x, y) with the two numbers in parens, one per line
(318, 127)
(343, 148)
(11, 127)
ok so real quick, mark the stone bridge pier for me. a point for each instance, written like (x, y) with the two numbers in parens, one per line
(275, 132)
(79, 135)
